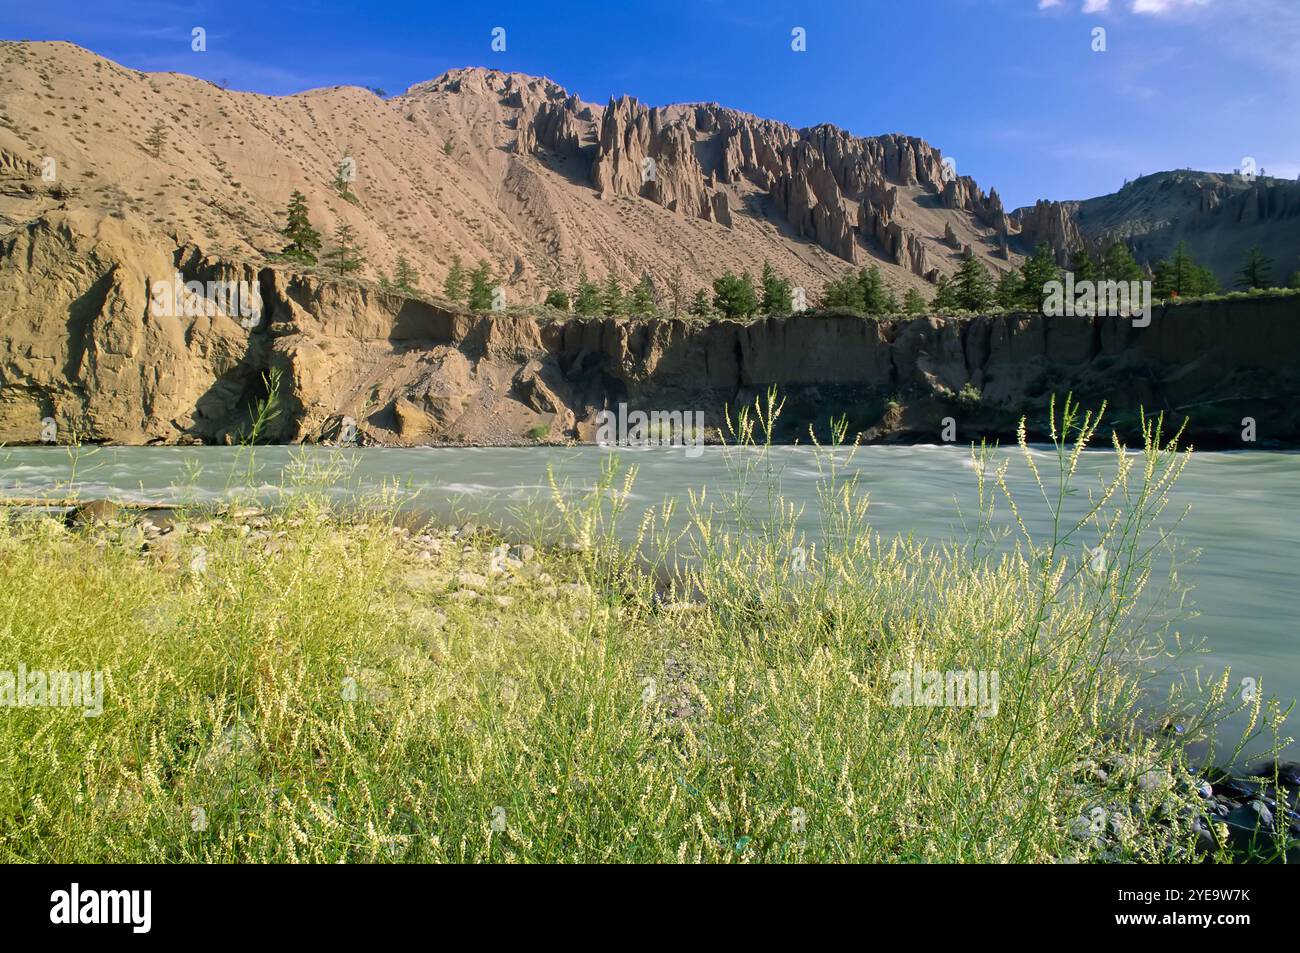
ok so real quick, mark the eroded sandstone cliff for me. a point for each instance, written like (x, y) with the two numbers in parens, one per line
(82, 345)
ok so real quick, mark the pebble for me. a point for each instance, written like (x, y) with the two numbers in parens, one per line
(1154, 781)
(424, 579)
(1265, 815)
(1204, 836)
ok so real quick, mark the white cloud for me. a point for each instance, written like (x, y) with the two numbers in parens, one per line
(1145, 7)
(1160, 7)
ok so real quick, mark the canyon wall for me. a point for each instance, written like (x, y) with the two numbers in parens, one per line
(82, 345)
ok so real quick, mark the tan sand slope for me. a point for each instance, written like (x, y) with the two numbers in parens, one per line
(483, 164)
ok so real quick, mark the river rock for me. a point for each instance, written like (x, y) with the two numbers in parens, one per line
(1154, 781)
(1288, 772)
(93, 512)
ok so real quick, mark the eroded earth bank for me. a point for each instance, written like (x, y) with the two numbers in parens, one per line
(81, 344)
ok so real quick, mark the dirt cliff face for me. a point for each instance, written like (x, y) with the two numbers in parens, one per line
(77, 344)
(84, 344)
(1213, 363)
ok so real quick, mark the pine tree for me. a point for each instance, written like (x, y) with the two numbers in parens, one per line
(643, 297)
(735, 297)
(1038, 269)
(776, 292)
(1256, 270)
(748, 294)
(405, 278)
(871, 291)
(156, 139)
(677, 291)
(1117, 264)
(913, 302)
(1179, 276)
(557, 298)
(611, 298)
(1009, 291)
(587, 297)
(945, 295)
(974, 287)
(843, 292)
(1081, 265)
(345, 257)
(700, 306)
(480, 287)
(453, 286)
(304, 241)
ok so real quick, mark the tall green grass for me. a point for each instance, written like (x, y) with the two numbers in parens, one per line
(723, 692)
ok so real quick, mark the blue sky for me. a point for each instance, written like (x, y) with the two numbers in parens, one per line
(1012, 89)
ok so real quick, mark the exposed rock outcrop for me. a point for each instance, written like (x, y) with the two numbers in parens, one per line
(828, 185)
(1053, 223)
(89, 352)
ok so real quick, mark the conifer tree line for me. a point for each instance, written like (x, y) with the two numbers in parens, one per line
(971, 288)
(1178, 276)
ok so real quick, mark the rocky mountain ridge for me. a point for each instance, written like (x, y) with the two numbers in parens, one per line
(478, 163)
(1219, 216)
